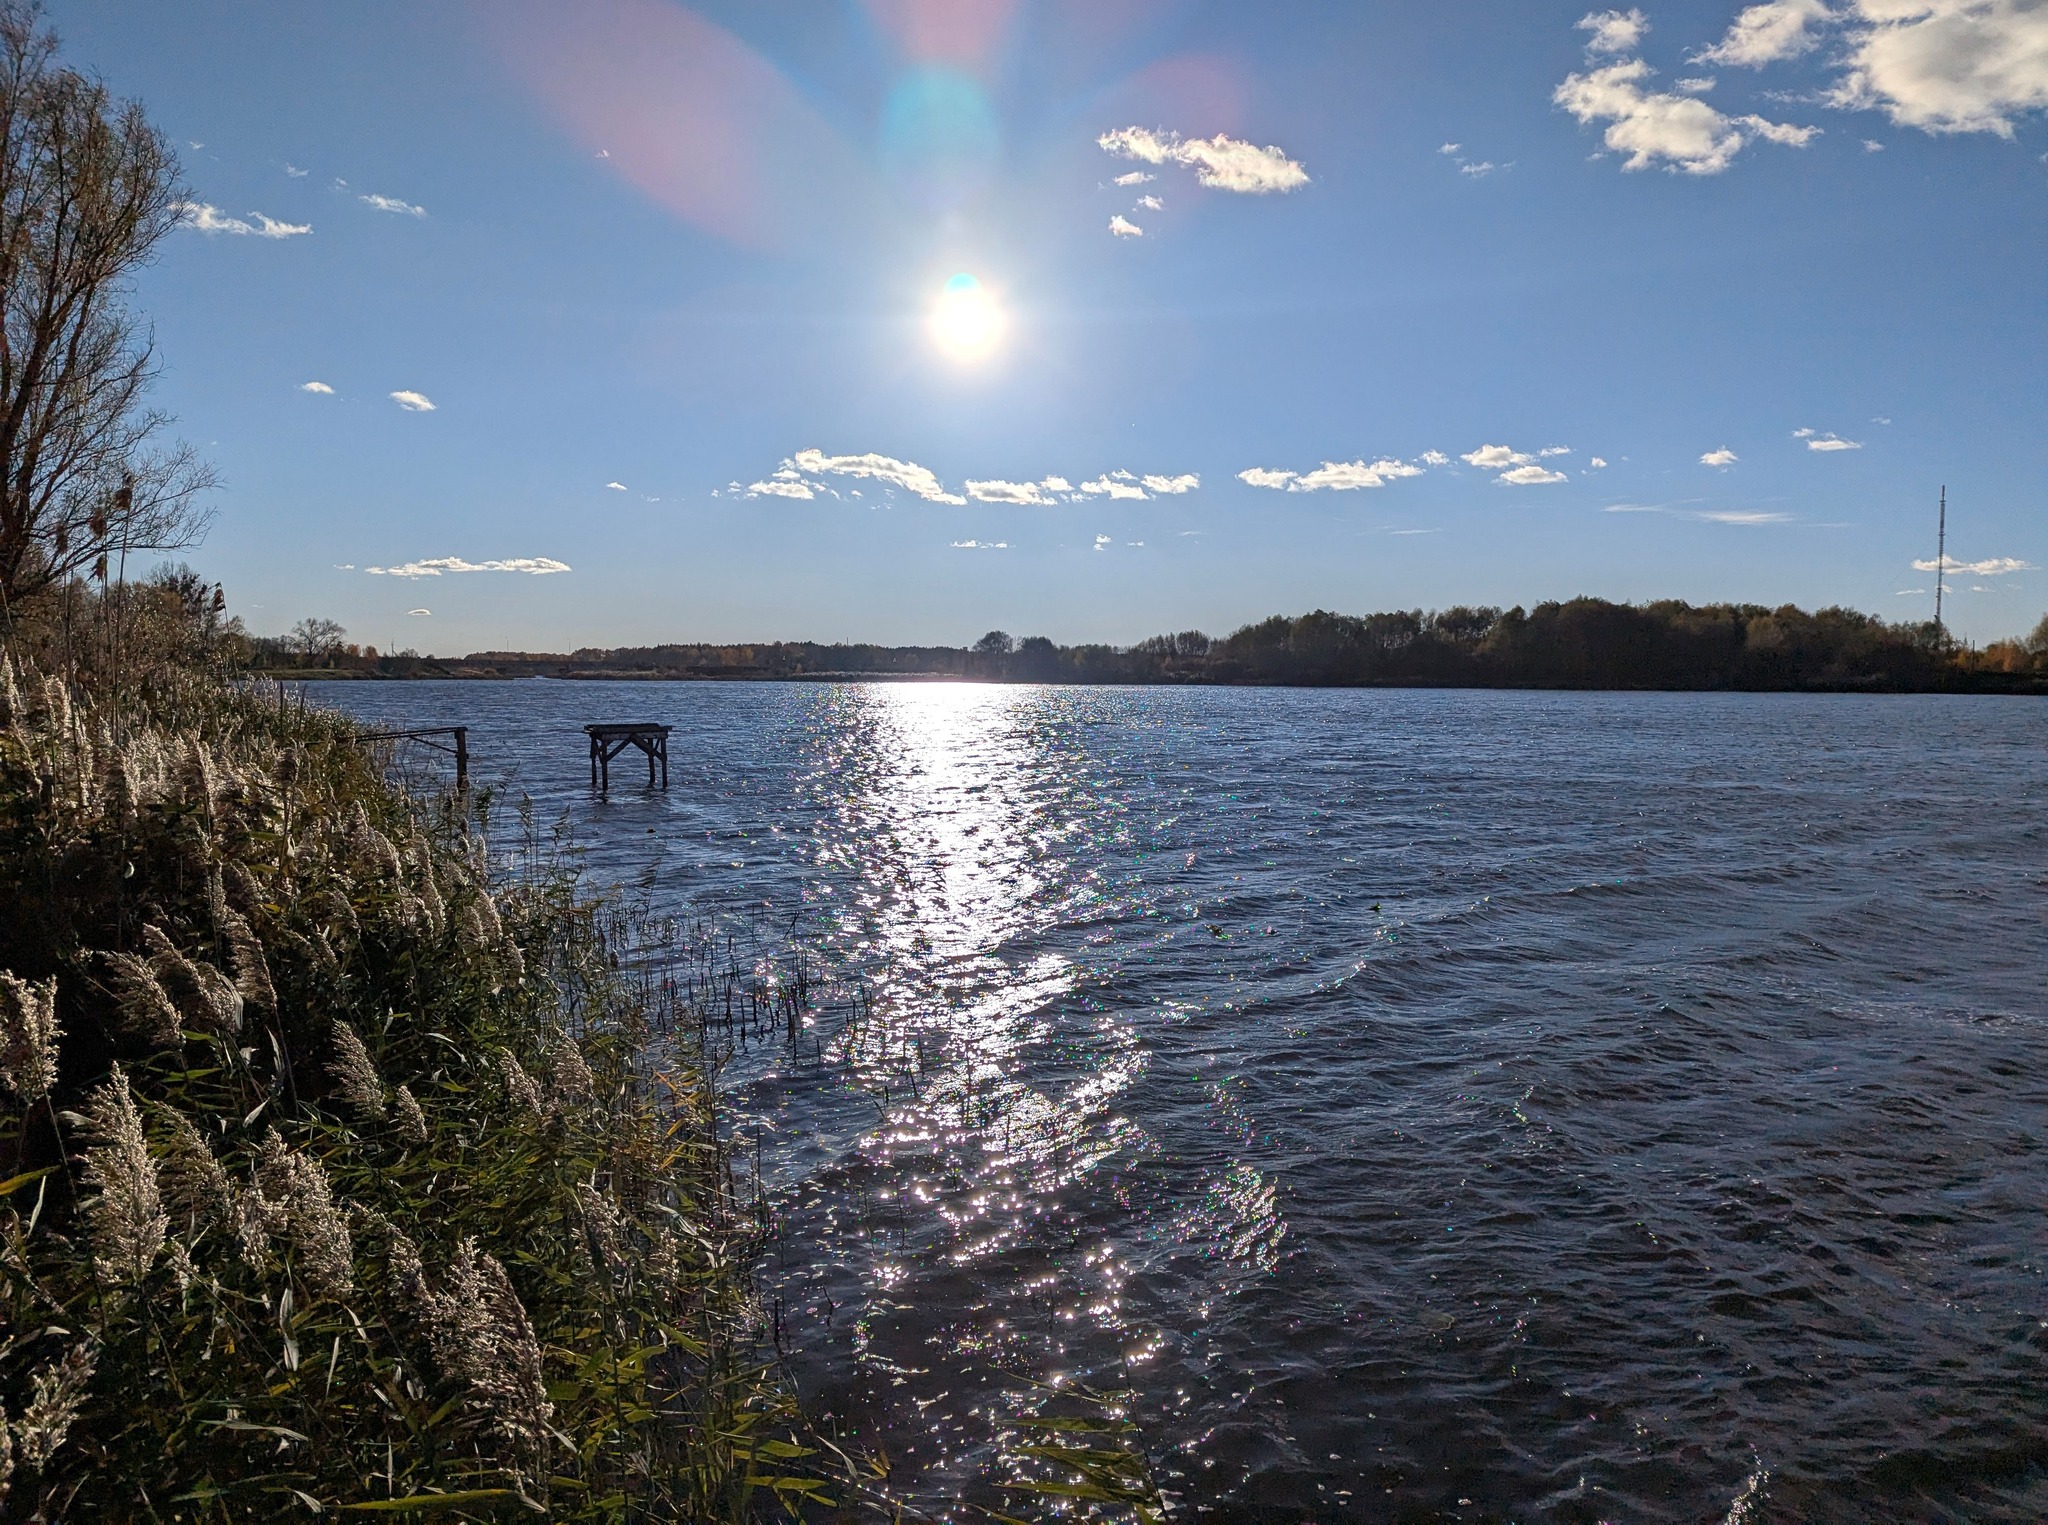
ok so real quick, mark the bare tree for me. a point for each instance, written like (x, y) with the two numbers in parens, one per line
(88, 189)
(317, 639)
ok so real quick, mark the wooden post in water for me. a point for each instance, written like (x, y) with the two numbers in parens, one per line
(462, 757)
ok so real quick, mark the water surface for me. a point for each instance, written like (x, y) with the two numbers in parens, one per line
(1426, 1105)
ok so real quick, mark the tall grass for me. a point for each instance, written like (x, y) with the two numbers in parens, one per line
(334, 1178)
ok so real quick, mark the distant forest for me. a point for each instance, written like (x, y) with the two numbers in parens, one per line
(1585, 643)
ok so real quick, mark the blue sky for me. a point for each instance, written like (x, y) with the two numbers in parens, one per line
(1398, 252)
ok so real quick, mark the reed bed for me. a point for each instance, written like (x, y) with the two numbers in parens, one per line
(336, 1176)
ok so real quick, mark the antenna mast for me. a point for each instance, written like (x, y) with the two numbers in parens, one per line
(1940, 563)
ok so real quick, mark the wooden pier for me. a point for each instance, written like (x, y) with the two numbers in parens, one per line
(608, 741)
(457, 745)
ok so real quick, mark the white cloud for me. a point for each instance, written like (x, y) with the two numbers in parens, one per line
(1450, 148)
(1681, 132)
(1173, 486)
(616, 486)
(1596, 463)
(1872, 146)
(1151, 203)
(880, 468)
(784, 487)
(1434, 458)
(294, 171)
(1531, 476)
(1136, 177)
(203, 218)
(1944, 66)
(1222, 163)
(1549, 450)
(392, 204)
(1495, 457)
(1997, 566)
(981, 545)
(1947, 65)
(1056, 484)
(1830, 442)
(1110, 483)
(1032, 494)
(1480, 170)
(1123, 227)
(1723, 457)
(1102, 542)
(413, 402)
(1765, 33)
(1698, 85)
(320, 387)
(1743, 516)
(1614, 31)
(419, 613)
(1332, 476)
(535, 566)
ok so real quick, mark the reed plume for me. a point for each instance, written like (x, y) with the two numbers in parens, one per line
(28, 1037)
(298, 1205)
(194, 1184)
(59, 1393)
(355, 1075)
(412, 1122)
(128, 1219)
(519, 1086)
(483, 1339)
(145, 1007)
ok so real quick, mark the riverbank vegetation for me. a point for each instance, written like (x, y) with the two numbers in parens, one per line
(344, 1170)
(1585, 643)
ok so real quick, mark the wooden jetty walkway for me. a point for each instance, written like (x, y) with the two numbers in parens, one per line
(608, 741)
(458, 745)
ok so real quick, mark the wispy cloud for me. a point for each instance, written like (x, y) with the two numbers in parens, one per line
(1173, 486)
(419, 613)
(786, 483)
(1996, 566)
(1222, 163)
(1115, 484)
(1331, 476)
(294, 171)
(435, 566)
(1029, 494)
(907, 475)
(1742, 516)
(617, 486)
(1136, 177)
(204, 218)
(981, 545)
(1723, 458)
(1480, 170)
(1763, 34)
(1614, 31)
(392, 204)
(1825, 442)
(1122, 227)
(413, 402)
(321, 387)
(1151, 204)
(1104, 542)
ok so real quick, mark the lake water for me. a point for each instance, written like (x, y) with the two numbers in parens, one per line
(1476, 1106)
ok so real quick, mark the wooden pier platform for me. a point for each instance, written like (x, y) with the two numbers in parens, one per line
(608, 741)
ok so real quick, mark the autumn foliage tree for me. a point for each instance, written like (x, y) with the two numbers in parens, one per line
(88, 190)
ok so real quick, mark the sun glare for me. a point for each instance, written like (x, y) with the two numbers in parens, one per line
(966, 323)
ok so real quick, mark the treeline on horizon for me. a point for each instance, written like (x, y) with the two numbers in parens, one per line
(1581, 643)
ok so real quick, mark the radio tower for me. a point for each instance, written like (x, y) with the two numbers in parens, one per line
(1940, 565)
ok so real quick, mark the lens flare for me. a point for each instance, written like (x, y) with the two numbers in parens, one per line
(966, 323)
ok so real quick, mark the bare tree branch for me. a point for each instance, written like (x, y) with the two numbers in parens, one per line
(88, 189)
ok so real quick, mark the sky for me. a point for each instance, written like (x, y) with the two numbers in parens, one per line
(517, 325)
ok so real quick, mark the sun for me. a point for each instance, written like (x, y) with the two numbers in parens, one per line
(966, 323)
